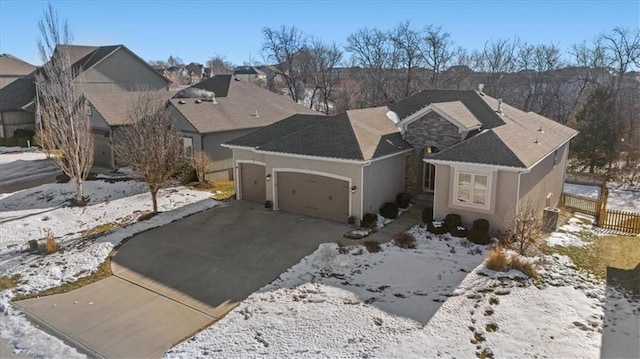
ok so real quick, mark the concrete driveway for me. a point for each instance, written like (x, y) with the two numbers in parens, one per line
(172, 281)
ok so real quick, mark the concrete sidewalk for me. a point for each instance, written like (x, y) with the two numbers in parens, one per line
(115, 319)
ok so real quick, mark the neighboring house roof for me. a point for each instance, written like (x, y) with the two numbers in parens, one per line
(12, 68)
(247, 70)
(195, 68)
(18, 93)
(353, 135)
(521, 142)
(114, 107)
(512, 138)
(84, 58)
(237, 105)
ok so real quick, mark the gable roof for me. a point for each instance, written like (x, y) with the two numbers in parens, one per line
(114, 107)
(471, 100)
(523, 140)
(83, 58)
(18, 93)
(12, 68)
(353, 135)
(11, 65)
(237, 105)
(512, 138)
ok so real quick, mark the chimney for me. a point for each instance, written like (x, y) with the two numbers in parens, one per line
(499, 110)
(480, 87)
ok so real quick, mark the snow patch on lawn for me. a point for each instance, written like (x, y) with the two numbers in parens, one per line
(592, 192)
(623, 198)
(31, 213)
(341, 305)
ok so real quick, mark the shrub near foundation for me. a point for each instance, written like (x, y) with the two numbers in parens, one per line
(404, 240)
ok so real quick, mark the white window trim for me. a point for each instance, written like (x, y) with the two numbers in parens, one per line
(489, 191)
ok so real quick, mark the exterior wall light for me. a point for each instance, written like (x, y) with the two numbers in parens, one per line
(353, 189)
(269, 177)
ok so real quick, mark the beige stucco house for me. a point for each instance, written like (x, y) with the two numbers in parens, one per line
(221, 108)
(466, 152)
(110, 75)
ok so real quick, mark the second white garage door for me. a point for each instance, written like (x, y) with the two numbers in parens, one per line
(313, 195)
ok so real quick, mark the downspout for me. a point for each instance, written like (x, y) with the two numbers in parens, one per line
(367, 163)
(518, 193)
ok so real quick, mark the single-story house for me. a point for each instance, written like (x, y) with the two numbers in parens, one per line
(221, 108)
(476, 156)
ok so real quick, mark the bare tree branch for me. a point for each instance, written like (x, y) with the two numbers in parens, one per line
(150, 142)
(62, 121)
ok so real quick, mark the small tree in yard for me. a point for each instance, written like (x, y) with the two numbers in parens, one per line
(150, 143)
(62, 118)
(201, 161)
(528, 229)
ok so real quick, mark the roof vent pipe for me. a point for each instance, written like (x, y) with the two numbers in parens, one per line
(499, 110)
(480, 87)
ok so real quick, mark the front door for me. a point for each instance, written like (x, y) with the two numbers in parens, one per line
(429, 178)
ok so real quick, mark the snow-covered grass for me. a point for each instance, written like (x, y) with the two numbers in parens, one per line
(623, 198)
(112, 207)
(437, 300)
(588, 191)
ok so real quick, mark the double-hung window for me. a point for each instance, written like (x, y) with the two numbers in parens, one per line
(472, 189)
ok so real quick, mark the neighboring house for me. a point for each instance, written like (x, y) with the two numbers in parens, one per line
(222, 108)
(108, 113)
(179, 77)
(17, 86)
(12, 68)
(475, 156)
(196, 72)
(100, 69)
(250, 74)
(16, 110)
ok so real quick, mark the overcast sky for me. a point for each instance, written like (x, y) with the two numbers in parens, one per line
(196, 30)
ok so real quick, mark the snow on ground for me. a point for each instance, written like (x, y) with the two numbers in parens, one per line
(582, 190)
(437, 300)
(623, 198)
(24, 166)
(341, 305)
(17, 149)
(31, 213)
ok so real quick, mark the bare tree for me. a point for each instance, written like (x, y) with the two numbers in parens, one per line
(378, 58)
(201, 162)
(410, 57)
(499, 57)
(528, 229)
(323, 60)
(149, 142)
(437, 51)
(622, 47)
(220, 66)
(282, 47)
(62, 121)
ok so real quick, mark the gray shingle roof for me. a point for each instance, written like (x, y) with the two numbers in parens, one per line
(471, 99)
(18, 93)
(242, 105)
(276, 131)
(485, 148)
(354, 135)
(337, 140)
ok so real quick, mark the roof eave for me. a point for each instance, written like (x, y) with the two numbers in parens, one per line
(460, 163)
